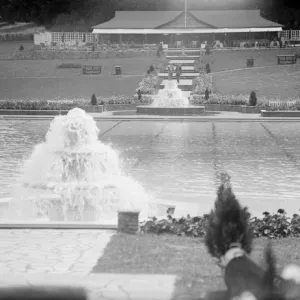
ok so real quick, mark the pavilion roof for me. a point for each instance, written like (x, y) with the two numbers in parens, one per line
(207, 19)
(139, 19)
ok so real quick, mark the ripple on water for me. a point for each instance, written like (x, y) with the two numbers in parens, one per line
(180, 161)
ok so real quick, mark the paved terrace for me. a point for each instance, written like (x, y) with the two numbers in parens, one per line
(54, 258)
(51, 251)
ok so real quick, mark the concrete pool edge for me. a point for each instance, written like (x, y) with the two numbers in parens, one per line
(221, 117)
(57, 225)
(105, 286)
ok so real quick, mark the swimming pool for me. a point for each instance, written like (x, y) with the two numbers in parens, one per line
(180, 162)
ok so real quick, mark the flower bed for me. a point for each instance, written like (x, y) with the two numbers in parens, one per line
(243, 100)
(145, 99)
(121, 99)
(125, 103)
(221, 99)
(273, 226)
(119, 102)
(288, 105)
(46, 107)
(201, 83)
(41, 104)
(149, 84)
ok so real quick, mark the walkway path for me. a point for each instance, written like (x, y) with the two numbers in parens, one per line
(51, 251)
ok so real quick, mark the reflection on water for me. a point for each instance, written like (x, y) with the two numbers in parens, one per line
(181, 161)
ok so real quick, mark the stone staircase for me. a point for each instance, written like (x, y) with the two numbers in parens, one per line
(187, 62)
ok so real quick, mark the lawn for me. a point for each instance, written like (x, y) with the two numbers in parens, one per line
(41, 79)
(9, 47)
(236, 59)
(183, 256)
(278, 82)
(37, 79)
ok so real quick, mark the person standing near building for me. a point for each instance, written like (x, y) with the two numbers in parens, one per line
(178, 72)
(282, 40)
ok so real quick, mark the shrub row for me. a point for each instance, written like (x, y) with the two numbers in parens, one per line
(16, 37)
(57, 104)
(71, 54)
(145, 99)
(42, 104)
(261, 102)
(202, 83)
(270, 225)
(149, 84)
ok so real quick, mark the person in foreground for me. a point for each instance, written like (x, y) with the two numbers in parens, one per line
(229, 241)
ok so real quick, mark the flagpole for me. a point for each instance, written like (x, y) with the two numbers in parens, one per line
(185, 12)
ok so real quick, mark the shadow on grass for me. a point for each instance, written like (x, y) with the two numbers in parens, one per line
(133, 113)
(198, 277)
(184, 257)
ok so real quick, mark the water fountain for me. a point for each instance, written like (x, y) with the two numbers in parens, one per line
(73, 176)
(170, 102)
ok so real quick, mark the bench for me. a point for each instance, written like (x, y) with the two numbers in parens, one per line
(91, 69)
(286, 59)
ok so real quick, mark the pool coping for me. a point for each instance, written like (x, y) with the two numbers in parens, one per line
(57, 225)
(227, 118)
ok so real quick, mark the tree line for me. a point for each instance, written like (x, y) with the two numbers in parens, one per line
(92, 12)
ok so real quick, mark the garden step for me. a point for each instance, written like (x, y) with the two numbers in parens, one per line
(184, 62)
(183, 75)
(181, 57)
(180, 49)
(185, 69)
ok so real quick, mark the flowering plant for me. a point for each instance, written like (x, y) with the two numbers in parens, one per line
(120, 99)
(291, 104)
(145, 99)
(222, 99)
(270, 225)
(43, 104)
(201, 83)
(148, 84)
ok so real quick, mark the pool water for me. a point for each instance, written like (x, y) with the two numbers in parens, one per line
(180, 162)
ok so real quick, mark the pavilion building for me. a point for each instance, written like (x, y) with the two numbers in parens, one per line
(190, 28)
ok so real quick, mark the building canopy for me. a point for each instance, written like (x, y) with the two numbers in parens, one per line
(157, 22)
